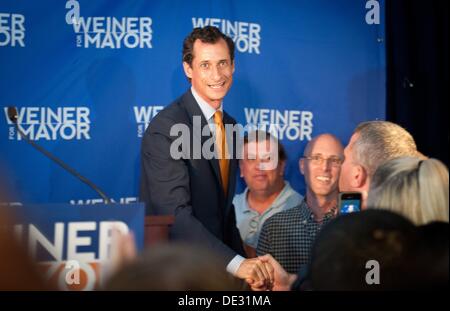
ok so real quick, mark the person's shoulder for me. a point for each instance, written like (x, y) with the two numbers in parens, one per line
(283, 216)
(238, 197)
(174, 111)
(293, 197)
(172, 114)
(239, 201)
(289, 212)
(296, 195)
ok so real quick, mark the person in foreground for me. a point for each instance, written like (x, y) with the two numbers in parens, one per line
(372, 250)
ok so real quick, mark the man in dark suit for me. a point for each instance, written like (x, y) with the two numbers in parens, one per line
(196, 189)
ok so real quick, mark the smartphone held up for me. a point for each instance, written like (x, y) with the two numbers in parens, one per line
(349, 202)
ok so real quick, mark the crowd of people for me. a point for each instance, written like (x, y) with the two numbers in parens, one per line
(270, 237)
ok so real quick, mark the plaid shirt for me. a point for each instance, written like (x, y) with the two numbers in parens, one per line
(288, 236)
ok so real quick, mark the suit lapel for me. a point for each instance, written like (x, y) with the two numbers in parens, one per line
(232, 141)
(193, 109)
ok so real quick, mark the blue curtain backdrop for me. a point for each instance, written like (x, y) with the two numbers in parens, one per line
(87, 76)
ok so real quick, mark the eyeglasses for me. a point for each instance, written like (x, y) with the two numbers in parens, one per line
(318, 160)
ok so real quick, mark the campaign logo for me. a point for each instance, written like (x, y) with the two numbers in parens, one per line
(292, 125)
(72, 255)
(246, 36)
(12, 30)
(107, 31)
(66, 123)
(143, 115)
(124, 200)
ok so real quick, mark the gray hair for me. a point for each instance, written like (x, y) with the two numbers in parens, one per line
(412, 187)
(380, 141)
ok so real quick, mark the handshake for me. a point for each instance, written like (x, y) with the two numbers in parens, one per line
(265, 273)
(261, 273)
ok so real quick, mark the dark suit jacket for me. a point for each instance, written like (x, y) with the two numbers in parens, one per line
(190, 189)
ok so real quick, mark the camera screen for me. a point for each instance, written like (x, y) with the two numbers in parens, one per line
(350, 206)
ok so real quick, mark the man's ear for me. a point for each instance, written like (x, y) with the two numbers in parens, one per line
(232, 66)
(359, 176)
(301, 165)
(187, 70)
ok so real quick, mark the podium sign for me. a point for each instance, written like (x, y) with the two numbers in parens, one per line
(72, 243)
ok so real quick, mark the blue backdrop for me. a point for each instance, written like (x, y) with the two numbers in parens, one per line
(87, 76)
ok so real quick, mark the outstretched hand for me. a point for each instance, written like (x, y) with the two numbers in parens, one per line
(282, 280)
(256, 273)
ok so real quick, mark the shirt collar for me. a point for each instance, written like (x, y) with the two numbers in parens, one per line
(207, 110)
(278, 202)
(307, 213)
(283, 195)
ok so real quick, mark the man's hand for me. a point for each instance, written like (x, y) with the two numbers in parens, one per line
(282, 279)
(256, 273)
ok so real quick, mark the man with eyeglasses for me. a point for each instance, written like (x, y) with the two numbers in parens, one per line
(289, 235)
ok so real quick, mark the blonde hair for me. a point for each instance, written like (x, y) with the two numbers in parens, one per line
(416, 188)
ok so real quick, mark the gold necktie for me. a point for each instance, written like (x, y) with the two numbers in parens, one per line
(221, 145)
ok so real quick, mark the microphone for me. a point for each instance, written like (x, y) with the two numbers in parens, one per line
(13, 117)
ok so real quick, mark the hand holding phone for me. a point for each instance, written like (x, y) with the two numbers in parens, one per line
(349, 202)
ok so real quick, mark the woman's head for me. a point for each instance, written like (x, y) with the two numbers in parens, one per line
(416, 188)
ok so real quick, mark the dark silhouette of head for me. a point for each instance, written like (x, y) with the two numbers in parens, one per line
(174, 267)
(348, 249)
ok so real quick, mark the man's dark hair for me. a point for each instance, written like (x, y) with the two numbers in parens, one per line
(207, 34)
(260, 136)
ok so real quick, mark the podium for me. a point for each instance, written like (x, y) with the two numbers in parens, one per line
(156, 229)
(71, 243)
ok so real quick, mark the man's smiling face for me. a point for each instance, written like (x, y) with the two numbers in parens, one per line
(211, 72)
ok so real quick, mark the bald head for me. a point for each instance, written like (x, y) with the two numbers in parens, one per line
(321, 165)
(324, 139)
